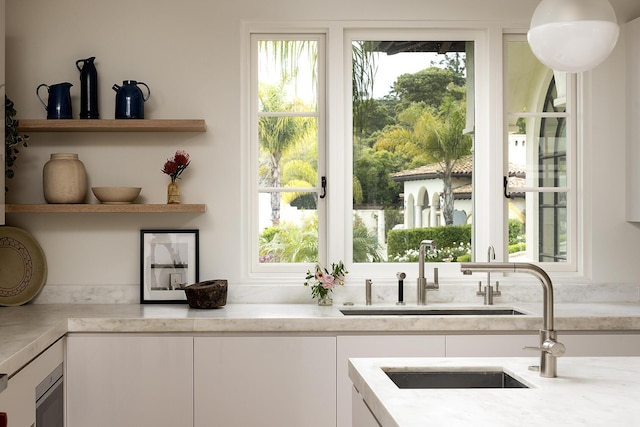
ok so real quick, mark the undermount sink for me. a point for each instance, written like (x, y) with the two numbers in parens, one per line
(453, 379)
(391, 311)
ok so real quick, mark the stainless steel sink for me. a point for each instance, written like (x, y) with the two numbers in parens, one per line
(391, 311)
(454, 379)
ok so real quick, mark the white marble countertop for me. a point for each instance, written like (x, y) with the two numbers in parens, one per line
(28, 330)
(587, 392)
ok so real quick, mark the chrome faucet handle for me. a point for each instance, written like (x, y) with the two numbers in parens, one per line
(435, 285)
(554, 348)
(550, 346)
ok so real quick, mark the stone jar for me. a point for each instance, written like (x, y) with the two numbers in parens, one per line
(64, 179)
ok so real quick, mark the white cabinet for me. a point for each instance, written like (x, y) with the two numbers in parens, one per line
(18, 400)
(378, 346)
(129, 380)
(491, 345)
(266, 381)
(601, 345)
(577, 344)
(632, 155)
(362, 415)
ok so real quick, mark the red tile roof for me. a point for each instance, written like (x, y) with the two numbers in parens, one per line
(463, 167)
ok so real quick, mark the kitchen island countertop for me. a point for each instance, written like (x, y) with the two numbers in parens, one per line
(599, 391)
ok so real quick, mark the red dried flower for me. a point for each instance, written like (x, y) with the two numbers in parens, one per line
(174, 167)
(181, 158)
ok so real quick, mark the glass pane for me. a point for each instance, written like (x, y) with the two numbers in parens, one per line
(288, 225)
(537, 150)
(288, 154)
(412, 161)
(541, 165)
(547, 240)
(288, 144)
(289, 67)
(526, 75)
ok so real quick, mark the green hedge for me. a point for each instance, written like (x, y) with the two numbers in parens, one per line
(400, 241)
(516, 231)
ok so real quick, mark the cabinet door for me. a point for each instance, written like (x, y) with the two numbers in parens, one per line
(378, 346)
(581, 344)
(601, 345)
(129, 380)
(492, 345)
(18, 400)
(266, 381)
(362, 416)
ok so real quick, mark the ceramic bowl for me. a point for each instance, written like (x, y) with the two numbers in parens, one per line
(116, 195)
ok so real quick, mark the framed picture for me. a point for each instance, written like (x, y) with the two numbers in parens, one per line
(168, 262)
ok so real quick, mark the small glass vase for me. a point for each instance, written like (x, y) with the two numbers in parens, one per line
(325, 300)
(173, 193)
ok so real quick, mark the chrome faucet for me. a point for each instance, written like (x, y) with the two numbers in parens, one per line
(488, 293)
(550, 349)
(423, 285)
(367, 291)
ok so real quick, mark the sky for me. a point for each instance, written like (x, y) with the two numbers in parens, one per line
(392, 66)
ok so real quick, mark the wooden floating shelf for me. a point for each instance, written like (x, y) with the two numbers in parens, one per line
(105, 208)
(112, 125)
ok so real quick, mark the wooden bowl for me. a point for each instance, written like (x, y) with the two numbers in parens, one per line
(116, 195)
(209, 294)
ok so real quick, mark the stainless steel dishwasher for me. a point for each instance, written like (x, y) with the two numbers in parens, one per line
(50, 400)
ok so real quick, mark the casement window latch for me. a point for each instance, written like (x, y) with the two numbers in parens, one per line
(323, 186)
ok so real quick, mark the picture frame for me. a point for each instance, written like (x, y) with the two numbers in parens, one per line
(168, 262)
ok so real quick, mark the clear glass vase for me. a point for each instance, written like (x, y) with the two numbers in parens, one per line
(325, 300)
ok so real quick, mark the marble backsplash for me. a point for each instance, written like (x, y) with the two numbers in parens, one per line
(464, 294)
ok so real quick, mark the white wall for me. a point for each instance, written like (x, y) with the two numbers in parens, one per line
(188, 52)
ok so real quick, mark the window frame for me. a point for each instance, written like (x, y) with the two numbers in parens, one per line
(573, 185)
(274, 270)
(489, 146)
(481, 131)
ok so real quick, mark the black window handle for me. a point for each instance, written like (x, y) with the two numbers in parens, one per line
(323, 185)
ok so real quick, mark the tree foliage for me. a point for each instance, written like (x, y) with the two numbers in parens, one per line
(278, 134)
(440, 133)
(429, 86)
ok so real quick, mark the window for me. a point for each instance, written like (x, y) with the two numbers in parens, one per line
(541, 173)
(411, 149)
(287, 145)
(412, 158)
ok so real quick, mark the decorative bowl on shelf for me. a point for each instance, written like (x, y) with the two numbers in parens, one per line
(116, 195)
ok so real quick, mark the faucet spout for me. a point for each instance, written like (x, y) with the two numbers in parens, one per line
(422, 280)
(549, 347)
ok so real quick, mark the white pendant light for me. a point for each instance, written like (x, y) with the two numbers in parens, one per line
(573, 35)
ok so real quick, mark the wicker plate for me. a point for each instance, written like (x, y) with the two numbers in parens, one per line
(23, 266)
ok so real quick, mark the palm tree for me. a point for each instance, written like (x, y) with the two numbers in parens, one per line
(441, 135)
(277, 134)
